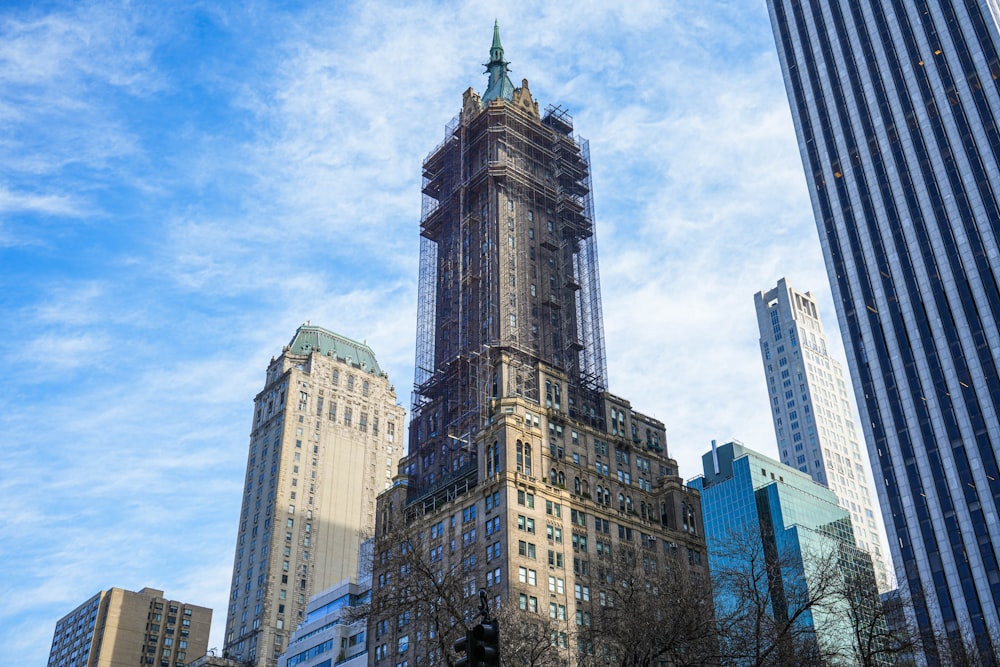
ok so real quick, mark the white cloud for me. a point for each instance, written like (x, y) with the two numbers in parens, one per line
(41, 203)
(232, 171)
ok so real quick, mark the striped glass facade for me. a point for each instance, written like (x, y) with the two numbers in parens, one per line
(896, 105)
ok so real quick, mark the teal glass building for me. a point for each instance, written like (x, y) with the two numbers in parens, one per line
(762, 515)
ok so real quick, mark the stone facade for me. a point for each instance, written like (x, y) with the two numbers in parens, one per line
(326, 439)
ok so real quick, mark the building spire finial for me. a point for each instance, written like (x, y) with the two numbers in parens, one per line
(499, 86)
(496, 51)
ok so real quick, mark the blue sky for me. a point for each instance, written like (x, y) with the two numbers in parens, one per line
(183, 184)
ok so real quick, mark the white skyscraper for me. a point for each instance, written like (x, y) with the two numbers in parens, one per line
(812, 412)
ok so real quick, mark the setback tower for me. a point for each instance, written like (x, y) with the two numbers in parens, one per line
(323, 444)
(522, 470)
(812, 413)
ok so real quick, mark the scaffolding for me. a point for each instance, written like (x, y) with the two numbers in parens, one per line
(508, 276)
(593, 359)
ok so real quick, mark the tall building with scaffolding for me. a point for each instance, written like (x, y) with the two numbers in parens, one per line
(512, 425)
(508, 268)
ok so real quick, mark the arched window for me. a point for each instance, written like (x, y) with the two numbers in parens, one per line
(552, 476)
(492, 459)
(628, 503)
(364, 388)
(576, 485)
(350, 383)
(642, 507)
(684, 515)
(621, 502)
(520, 456)
(527, 459)
(600, 492)
(607, 497)
(562, 479)
(586, 487)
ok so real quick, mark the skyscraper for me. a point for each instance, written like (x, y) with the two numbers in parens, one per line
(118, 627)
(786, 533)
(812, 413)
(522, 469)
(896, 106)
(323, 444)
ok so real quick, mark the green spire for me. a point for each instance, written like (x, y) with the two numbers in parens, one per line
(496, 51)
(499, 86)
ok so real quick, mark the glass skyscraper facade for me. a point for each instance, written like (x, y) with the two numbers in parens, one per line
(755, 506)
(896, 107)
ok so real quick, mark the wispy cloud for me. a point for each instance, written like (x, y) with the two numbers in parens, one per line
(184, 185)
(40, 203)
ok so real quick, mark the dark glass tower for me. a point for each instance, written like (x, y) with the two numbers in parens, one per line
(896, 106)
(508, 272)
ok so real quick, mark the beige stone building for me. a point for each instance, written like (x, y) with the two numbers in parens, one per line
(523, 475)
(119, 628)
(325, 441)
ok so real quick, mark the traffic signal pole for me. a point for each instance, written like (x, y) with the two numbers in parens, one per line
(480, 647)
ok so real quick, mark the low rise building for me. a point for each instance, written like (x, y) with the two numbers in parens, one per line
(330, 634)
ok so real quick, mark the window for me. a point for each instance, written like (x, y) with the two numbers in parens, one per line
(523, 457)
(525, 499)
(492, 461)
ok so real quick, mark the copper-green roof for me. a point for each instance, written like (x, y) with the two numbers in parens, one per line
(309, 338)
(499, 86)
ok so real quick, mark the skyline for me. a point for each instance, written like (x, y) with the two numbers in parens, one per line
(171, 172)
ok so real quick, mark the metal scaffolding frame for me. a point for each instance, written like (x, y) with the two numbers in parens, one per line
(508, 276)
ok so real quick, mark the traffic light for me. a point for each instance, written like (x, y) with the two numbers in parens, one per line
(485, 645)
(463, 648)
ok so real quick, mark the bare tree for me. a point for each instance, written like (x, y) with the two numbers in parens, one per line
(966, 649)
(881, 630)
(767, 599)
(426, 589)
(527, 639)
(657, 611)
(420, 592)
